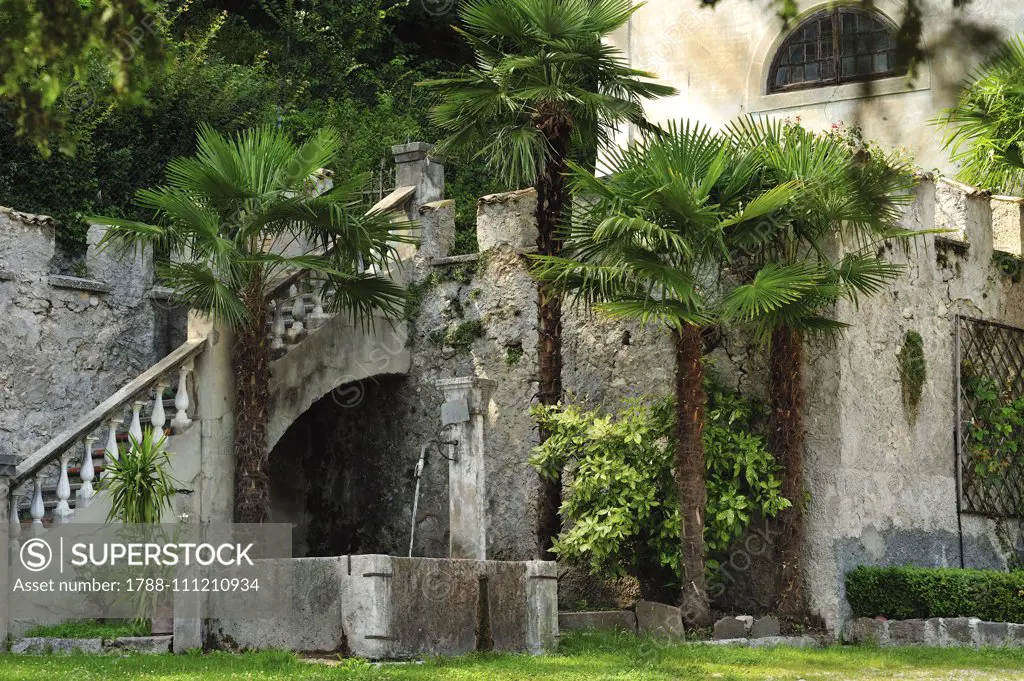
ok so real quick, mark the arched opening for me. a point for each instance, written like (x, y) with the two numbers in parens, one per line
(343, 475)
(835, 46)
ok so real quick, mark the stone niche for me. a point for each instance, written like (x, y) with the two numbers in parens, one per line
(343, 474)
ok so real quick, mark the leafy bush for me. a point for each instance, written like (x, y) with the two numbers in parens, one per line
(621, 511)
(919, 593)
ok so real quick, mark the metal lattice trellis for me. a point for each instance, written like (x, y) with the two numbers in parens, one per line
(990, 417)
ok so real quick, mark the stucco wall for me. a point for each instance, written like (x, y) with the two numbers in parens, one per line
(718, 60)
(70, 342)
(883, 485)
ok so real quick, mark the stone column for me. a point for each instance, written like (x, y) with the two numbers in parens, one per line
(414, 167)
(213, 477)
(466, 400)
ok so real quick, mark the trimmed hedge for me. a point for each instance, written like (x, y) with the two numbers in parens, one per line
(920, 593)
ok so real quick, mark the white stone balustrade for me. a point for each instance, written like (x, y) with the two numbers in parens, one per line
(34, 477)
(62, 513)
(298, 330)
(181, 419)
(110, 453)
(135, 429)
(88, 473)
(159, 417)
(38, 510)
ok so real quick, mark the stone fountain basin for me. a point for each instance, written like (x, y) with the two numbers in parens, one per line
(388, 607)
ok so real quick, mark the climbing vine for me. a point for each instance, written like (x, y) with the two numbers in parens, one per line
(913, 372)
(995, 427)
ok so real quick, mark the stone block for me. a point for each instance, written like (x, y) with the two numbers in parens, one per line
(992, 633)
(605, 620)
(658, 619)
(906, 632)
(865, 630)
(786, 641)
(1015, 635)
(959, 631)
(729, 627)
(63, 646)
(149, 645)
(765, 626)
(507, 218)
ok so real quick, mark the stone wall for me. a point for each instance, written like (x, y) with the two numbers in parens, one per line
(883, 482)
(69, 342)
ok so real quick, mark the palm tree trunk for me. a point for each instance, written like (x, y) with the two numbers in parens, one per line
(252, 396)
(690, 472)
(551, 200)
(786, 441)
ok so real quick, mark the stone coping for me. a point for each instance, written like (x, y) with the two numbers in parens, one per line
(152, 645)
(455, 259)
(79, 283)
(939, 632)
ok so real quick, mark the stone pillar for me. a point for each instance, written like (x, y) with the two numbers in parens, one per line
(414, 167)
(8, 463)
(541, 606)
(1008, 223)
(214, 384)
(466, 400)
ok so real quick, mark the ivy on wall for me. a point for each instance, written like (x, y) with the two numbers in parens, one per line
(913, 373)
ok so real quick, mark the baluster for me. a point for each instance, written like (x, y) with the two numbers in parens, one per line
(317, 317)
(15, 523)
(135, 429)
(277, 331)
(37, 509)
(62, 513)
(88, 473)
(296, 333)
(159, 418)
(111, 451)
(181, 419)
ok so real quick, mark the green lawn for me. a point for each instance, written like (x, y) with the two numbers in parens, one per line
(581, 658)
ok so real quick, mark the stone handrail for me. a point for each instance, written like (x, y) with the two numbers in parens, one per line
(53, 450)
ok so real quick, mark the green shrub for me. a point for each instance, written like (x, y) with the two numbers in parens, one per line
(920, 593)
(621, 510)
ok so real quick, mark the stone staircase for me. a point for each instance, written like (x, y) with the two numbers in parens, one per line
(60, 479)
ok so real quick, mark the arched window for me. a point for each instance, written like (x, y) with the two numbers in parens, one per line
(809, 57)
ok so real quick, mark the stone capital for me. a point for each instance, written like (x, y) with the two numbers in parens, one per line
(475, 390)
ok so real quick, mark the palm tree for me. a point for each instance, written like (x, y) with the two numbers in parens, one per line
(546, 88)
(985, 129)
(850, 197)
(649, 246)
(225, 216)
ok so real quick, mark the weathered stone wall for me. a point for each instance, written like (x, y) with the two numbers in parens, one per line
(883, 482)
(69, 342)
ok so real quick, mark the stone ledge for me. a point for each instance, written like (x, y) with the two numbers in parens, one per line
(766, 642)
(79, 284)
(6, 275)
(64, 646)
(454, 259)
(151, 645)
(598, 620)
(161, 293)
(940, 632)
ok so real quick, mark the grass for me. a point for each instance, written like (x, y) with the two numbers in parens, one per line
(582, 657)
(90, 629)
